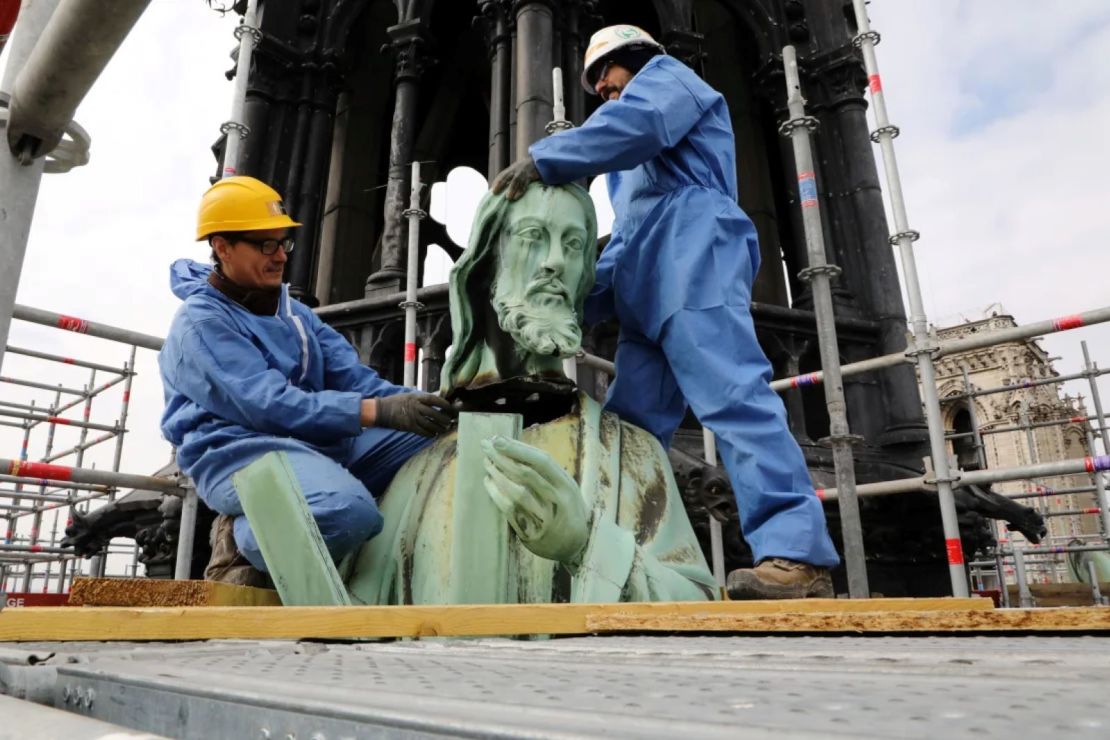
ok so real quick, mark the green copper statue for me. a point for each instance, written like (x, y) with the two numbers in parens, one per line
(577, 505)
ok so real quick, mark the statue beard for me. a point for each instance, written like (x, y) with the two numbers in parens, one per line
(543, 323)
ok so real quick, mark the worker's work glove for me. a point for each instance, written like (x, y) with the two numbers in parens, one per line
(421, 413)
(516, 178)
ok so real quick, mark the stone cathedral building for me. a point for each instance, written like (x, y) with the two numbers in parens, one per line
(1015, 364)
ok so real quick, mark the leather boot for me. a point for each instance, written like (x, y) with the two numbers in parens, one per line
(779, 578)
(227, 564)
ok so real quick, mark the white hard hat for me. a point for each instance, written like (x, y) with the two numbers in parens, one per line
(609, 39)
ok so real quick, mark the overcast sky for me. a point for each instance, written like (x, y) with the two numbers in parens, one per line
(1003, 106)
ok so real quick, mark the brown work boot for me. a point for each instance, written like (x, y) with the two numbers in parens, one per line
(779, 578)
(227, 564)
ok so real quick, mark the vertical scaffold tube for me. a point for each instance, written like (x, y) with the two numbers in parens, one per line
(184, 561)
(236, 128)
(36, 520)
(414, 214)
(923, 346)
(819, 274)
(1025, 596)
(716, 537)
(1092, 373)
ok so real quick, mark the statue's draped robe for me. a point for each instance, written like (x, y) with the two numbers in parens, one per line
(641, 545)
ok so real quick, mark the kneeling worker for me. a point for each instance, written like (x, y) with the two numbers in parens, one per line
(248, 370)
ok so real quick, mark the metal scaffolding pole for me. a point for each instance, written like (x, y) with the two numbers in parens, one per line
(236, 129)
(83, 326)
(955, 346)
(10, 535)
(716, 536)
(1031, 425)
(1092, 375)
(973, 417)
(185, 533)
(36, 520)
(1074, 466)
(64, 473)
(1025, 596)
(65, 360)
(415, 214)
(819, 274)
(53, 420)
(19, 183)
(1023, 385)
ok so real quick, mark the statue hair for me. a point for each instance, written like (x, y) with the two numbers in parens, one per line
(472, 278)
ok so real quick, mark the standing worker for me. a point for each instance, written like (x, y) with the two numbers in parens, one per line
(248, 370)
(678, 274)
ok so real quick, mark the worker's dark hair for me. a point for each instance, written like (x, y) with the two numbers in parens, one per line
(632, 58)
(230, 236)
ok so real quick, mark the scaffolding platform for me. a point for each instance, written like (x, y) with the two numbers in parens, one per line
(623, 686)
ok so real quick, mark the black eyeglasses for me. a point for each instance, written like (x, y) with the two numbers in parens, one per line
(269, 246)
(601, 72)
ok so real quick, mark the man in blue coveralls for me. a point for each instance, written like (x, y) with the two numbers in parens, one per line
(678, 273)
(248, 370)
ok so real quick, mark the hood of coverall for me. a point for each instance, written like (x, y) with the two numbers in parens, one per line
(188, 277)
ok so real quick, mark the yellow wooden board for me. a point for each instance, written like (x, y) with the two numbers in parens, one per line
(810, 615)
(153, 592)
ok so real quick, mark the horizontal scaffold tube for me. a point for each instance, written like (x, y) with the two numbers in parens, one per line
(83, 475)
(956, 346)
(1023, 385)
(43, 419)
(65, 360)
(1075, 466)
(81, 326)
(26, 480)
(1023, 427)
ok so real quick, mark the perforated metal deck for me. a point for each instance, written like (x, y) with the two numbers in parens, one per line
(906, 687)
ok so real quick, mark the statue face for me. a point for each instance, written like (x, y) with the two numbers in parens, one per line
(541, 260)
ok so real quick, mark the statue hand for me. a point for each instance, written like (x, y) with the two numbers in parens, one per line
(540, 500)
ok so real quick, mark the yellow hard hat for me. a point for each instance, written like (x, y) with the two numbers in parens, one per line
(609, 39)
(241, 203)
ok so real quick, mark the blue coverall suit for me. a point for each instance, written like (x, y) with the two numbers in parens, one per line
(238, 385)
(678, 274)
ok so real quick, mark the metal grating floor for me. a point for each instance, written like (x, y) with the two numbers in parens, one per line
(906, 687)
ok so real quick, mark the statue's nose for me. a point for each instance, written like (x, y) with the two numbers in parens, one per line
(555, 261)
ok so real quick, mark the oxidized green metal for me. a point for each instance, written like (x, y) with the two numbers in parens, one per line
(578, 507)
(589, 507)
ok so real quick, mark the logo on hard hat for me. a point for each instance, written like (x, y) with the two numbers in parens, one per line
(276, 208)
(628, 32)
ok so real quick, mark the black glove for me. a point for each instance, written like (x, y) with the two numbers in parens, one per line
(516, 178)
(422, 413)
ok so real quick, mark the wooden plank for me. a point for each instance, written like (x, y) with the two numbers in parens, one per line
(144, 592)
(1060, 594)
(217, 622)
(1000, 620)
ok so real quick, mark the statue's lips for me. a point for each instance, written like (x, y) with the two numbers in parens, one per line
(552, 289)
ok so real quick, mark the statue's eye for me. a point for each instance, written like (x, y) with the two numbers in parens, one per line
(575, 244)
(531, 233)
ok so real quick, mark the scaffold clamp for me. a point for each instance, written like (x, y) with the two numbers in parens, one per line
(252, 31)
(228, 126)
(873, 36)
(809, 123)
(832, 271)
(908, 234)
(556, 126)
(854, 440)
(891, 130)
(414, 213)
(411, 304)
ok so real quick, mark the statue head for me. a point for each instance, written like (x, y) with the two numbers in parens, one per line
(517, 291)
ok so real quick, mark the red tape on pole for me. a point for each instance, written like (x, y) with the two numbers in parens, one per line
(821, 493)
(40, 470)
(876, 83)
(410, 352)
(1067, 322)
(955, 551)
(72, 323)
